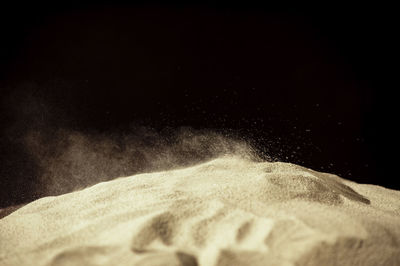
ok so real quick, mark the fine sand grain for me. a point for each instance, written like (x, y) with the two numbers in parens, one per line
(228, 211)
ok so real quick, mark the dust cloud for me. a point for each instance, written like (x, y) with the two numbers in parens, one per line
(49, 155)
(73, 160)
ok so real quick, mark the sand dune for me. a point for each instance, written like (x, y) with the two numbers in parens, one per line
(228, 211)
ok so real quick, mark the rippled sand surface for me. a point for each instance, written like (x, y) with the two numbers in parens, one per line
(228, 211)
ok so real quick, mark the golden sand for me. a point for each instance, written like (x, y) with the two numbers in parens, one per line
(229, 211)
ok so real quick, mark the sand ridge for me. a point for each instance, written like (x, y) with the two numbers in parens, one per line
(228, 211)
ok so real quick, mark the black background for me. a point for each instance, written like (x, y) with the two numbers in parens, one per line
(308, 84)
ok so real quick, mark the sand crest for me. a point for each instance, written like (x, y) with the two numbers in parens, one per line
(228, 211)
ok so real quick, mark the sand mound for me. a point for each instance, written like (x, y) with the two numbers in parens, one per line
(229, 211)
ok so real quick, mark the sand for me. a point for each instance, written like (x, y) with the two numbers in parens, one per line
(228, 211)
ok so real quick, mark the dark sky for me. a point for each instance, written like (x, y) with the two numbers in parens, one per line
(308, 84)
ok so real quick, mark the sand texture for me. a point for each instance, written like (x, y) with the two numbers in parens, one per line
(228, 211)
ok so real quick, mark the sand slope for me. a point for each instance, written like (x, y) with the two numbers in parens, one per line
(229, 211)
